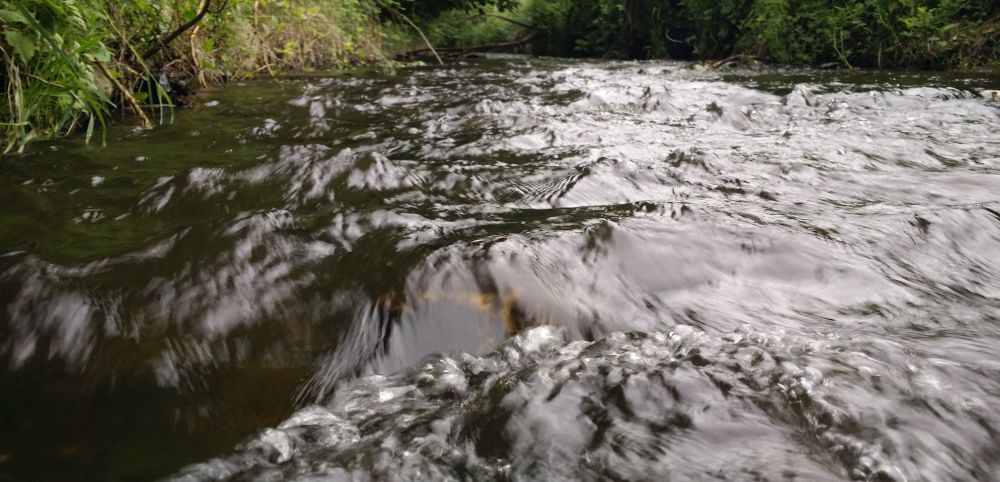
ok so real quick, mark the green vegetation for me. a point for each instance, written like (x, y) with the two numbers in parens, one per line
(67, 65)
(929, 34)
(875, 33)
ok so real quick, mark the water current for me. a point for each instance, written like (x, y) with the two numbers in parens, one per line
(514, 269)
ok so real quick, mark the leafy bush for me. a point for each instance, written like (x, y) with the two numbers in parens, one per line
(50, 50)
(462, 27)
(68, 63)
(716, 24)
(876, 33)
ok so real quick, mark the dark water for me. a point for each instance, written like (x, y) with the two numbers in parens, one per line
(633, 271)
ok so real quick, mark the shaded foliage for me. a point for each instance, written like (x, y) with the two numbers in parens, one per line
(55, 53)
(431, 8)
(876, 33)
(49, 78)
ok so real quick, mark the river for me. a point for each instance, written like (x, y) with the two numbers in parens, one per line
(513, 269)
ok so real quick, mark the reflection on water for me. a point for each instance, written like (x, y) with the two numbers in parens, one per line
(805, 267)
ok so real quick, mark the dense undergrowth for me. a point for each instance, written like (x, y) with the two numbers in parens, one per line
(926, 34)
(67, 65)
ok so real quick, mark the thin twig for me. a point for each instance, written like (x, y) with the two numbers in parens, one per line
(160, 44)
(472, 48)
(415, 27)
(196, 63)
(264, 53)
(49, 82)
(146, 123)
(501, 17)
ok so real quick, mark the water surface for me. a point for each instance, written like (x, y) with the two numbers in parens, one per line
(514, 268)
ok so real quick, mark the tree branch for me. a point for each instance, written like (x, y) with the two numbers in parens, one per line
(146, 123)
(505, 19)
(472, 48)
(407, 19)
(746, 59)
(160, 44)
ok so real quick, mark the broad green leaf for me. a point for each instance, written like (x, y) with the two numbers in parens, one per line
(22, 44)
(102, 54)
(13, 17)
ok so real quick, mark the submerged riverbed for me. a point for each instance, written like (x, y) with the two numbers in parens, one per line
(620, 271)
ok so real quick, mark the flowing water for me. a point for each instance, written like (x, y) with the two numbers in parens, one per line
(514, 269)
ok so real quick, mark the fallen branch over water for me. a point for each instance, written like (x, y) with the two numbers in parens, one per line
(415, 27)
(127, 95)
(743, 58)
(505, 19)
(469, 48)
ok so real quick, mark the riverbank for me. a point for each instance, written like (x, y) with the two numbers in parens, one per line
(70, 65)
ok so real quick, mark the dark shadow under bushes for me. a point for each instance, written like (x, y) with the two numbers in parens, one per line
(926, 34)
